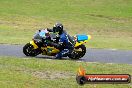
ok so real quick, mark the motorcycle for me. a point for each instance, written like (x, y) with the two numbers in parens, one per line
(37, 45)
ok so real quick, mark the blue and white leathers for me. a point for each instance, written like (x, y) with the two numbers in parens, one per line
(67, 45)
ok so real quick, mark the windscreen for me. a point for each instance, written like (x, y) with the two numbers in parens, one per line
(37, 36)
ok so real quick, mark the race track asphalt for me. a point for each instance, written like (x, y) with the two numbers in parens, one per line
(92, 55)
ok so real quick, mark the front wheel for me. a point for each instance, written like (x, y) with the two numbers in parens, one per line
(28, 50)
(78, 52)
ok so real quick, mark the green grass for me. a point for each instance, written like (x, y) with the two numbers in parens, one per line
(109, 22)
(42, 73)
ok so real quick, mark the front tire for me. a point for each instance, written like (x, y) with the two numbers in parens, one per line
(29, 50)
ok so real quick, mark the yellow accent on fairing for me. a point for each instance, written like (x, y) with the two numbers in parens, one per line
(54, 50)
(80, 43)
(89, 37)
(34, 45)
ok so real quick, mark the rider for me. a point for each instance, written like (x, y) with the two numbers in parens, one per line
(64, 43)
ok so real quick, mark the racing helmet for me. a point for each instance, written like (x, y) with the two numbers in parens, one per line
(58, 28)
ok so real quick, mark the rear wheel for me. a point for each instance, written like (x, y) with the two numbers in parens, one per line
(29, 50)
(79, 52)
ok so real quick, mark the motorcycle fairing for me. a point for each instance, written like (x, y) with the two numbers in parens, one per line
(49, 49)
(34, 45)
(81, 39)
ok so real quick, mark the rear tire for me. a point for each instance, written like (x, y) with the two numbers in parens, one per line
(78, 54)
(29, 50)
(81, 54)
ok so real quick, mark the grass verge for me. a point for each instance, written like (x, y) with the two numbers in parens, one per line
(43, 73)
(109, 22)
